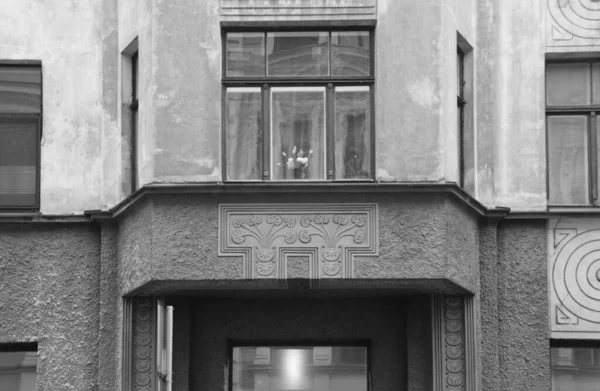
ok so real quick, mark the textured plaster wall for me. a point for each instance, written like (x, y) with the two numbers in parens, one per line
(380, 320)
(49, 288)
(511, 168)
(174, 238)
(524, 351)
(79, 120)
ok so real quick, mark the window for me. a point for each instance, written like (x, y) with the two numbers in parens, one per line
(18, 364)
(164, 346)
(299, 367)
(20, 132)
(572, 103)
(575, 366)
(460, 99)
(298, 105)
(130, 122)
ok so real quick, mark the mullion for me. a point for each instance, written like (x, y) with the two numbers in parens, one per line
(593, 151)
(266, 132)
(329, 132)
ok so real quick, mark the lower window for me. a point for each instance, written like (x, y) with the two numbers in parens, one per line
(575, 367)
(299, 367)
(18, 365)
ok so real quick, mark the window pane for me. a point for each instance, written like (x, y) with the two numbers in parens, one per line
(327, 368)
(575, 369)
(298, 132)
(596, 83)
(245, 54)
(568, 84)
(243, 133)
(18, 371)
(350, 53)
(568, 159)
(20, 89)
(18, 162)
(352, 133)
(298, 54)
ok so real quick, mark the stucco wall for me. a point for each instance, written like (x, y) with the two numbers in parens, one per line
(524, 350)
(49, 288)
(175, 238)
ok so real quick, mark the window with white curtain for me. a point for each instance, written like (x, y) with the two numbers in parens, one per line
(298, 105)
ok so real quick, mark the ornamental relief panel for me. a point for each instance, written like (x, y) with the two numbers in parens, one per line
(572, 24)
(574, 276)
(143, 349)
(267, 235)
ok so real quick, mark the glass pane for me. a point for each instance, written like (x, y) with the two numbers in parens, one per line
(243, 133)
(575, 369)
(596, 84)
(18, 371)
(350, 53)
(298, 132)
(323, 368)
(568, 84)
(18, 163)
(298, 54)
(245, 54)
(352, 133)
(568, 159)
(20, 89)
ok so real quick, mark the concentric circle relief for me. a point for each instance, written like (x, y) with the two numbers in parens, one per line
(575, 276)
(578, 17)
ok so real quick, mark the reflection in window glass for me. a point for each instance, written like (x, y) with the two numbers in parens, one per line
(575, 369)
(568, 84)
(567, 159)
(350, 55)
(18, 162)
(243, 133)
(298, 54)
(352, 133)
(298, 132)
(322, 368)
(20, 89)
(245, 54)
(18, 371)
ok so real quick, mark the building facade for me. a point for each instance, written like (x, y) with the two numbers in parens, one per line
(257, 195)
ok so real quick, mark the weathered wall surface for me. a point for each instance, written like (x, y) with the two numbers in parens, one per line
(511, 167)
(49, 289)
(381, 321)
(408, 103)
(524, 354)
(175, 238)
(78, 120)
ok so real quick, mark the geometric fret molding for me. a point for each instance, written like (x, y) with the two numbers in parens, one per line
(266, 236)
(574, 278)
(573, 24)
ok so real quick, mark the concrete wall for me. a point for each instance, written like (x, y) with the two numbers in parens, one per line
(49, 287)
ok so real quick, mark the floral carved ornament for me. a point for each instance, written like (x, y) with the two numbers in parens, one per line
(328, 235)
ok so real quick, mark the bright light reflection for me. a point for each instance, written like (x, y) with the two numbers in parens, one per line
(292, 367)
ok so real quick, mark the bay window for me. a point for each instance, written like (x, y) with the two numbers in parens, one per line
(298, 105)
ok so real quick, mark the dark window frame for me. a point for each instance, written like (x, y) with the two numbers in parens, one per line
(38, 117)
(461, 103)
(591, 111)
(134, 120)
(329, 82)
(274, 343)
